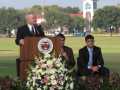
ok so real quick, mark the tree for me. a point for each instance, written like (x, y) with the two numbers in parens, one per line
(10, 19)
(55, 17)
(77, 23)
(71, 10)
(107, 17)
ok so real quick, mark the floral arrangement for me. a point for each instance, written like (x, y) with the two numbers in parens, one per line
(49, 73)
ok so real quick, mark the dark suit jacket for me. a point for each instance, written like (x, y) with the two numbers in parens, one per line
(24, 31)
(70, 62)
(83, 59)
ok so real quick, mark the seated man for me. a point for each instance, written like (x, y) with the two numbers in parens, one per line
(90, 60)
(66, 52)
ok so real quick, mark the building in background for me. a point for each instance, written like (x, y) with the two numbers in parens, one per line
(89, 6)
(40, 19)
(95, 6)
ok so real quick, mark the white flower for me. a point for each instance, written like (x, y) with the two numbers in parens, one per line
(49, 62)
(39, 71)
(47, 55)
(37, 67)
(53, 82)
(33, 78)
(57, 65)
(43, 72)
(46, 68)
(52, 71)
(54, 59)
(51, 88)
(33, 83)
(52, 77)
(43, 65)
(34, 70)
(28, 84)
(31, 88)
(71, 85)
(39, 89)
(42, 61)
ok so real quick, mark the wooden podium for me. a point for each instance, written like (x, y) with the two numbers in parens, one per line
(29, 50)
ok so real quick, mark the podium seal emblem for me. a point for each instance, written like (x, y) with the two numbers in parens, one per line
(45, 45)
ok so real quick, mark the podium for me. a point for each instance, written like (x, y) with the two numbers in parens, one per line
(29, 50)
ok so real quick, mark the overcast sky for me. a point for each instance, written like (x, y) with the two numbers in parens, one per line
(20, 4)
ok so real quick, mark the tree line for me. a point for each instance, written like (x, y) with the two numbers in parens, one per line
(104, 18)
(55, 16)
(107, 19)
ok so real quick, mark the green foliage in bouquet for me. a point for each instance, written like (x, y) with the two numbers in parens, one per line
(49, 73)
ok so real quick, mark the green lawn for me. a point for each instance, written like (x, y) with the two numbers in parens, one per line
(8, 53)
(110, 48)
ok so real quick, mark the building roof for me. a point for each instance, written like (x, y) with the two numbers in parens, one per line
(80, 14)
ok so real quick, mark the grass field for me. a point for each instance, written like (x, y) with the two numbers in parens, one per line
(110, 48)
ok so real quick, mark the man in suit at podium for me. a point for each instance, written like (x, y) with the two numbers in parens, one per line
(90, 60)
(29, 30)
(66, 52)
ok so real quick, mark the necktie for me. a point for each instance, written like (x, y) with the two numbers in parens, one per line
(33, 30)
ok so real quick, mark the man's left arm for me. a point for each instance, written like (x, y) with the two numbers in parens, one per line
(41, 31)
(100, 57)
(71, 60)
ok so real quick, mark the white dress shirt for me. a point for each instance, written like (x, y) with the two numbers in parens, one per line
(30, 28)
(90, 62)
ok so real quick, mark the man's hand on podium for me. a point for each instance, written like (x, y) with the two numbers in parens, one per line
(21, 42)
